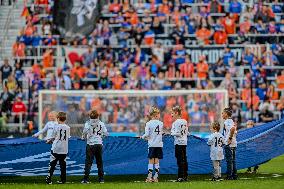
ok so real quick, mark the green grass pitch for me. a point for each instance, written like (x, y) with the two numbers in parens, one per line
(270, 176)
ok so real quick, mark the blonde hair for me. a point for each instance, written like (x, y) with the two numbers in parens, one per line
(177, 109)
(153, 111)
(53, 113)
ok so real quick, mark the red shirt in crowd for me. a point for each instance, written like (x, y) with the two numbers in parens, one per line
(19, 107)
(186, 70)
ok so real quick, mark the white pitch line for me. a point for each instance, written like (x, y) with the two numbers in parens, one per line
(245, 178)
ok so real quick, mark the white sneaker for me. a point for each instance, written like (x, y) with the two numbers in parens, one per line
(155, 180)
(149, 180)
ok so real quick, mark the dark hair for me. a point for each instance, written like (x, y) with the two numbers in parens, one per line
(61, 116)
(177, 109)
(216, 126)
(94, 114)
(228, 111)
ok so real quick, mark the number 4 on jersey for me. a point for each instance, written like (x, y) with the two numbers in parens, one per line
(157, 130)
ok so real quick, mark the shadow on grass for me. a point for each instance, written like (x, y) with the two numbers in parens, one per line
(125, 178)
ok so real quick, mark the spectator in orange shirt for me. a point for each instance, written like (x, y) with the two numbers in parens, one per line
(184, 114)
(29, 30)
(117, 81)
(245, 26)
(246, 93)
(115, 7)
(19, 49)
(202, 68)
(229, 24)
(176, 15)
(164, 7)
(214, 7)
(78, 71)
(255, 101)
(187, 68)
(167, 119)
(203, 35)
(149, 36)
(38, 70)
(272, 94)
(220, 37)
(280, 80)
(134, 20)
(47, 59)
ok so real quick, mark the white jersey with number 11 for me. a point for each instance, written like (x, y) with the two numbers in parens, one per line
(61, 135)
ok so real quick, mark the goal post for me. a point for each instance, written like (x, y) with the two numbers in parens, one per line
(124, 111)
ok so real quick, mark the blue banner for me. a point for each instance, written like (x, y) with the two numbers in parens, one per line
(128, 155)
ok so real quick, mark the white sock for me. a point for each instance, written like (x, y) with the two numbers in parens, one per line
(157, 170)
(150, 170)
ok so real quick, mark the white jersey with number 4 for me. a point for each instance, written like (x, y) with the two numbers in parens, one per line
(61, 135)
(154, 133)
(216, 141)
(228, 124)
(94, 131)
(180, 131)
(48, 128)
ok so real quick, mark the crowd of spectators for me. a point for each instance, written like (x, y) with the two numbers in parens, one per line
(111, 63)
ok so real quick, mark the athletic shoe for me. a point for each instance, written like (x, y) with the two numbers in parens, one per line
(149, 180)
(185, 179)
(255, 171)
(215, 179)
(155, 180)
(85, 181)
(60, 182)
(101, 180)
(180, 180)
(48, 180)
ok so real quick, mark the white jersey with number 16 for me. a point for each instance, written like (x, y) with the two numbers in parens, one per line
(154, 133)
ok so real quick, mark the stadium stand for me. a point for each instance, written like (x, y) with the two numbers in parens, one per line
(155, 44)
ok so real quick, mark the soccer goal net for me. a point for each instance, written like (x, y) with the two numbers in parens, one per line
(124, 111)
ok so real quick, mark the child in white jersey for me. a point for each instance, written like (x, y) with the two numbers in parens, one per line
(216, 142)
(59, 150)
(93, 132)
(180, 131)
(154, 135)
(230, 133)
(49, 126)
